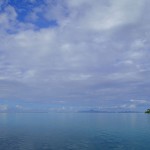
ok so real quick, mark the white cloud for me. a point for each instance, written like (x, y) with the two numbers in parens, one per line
(128, 106)
(78, 3)
(3, 107)
(99, 15)
(19, 107)
(139, 101)
(8, 17)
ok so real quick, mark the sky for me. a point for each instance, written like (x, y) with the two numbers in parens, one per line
(73, 54)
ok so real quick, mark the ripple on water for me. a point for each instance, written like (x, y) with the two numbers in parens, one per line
(15, 143)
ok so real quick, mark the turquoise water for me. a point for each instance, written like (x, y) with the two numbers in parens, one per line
(74, 131)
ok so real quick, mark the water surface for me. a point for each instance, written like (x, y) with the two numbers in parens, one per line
(74, 131)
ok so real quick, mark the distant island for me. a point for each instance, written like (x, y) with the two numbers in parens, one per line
(147, 111)
(107, 111)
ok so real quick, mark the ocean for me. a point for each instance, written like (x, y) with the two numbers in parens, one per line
(74, 131)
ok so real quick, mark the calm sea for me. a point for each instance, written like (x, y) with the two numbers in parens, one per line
(74, 131)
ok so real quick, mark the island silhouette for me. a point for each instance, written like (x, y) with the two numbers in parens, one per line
(147, 111)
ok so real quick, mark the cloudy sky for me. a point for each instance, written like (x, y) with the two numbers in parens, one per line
(74, 53)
